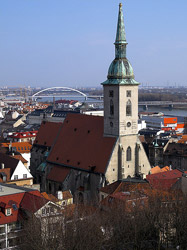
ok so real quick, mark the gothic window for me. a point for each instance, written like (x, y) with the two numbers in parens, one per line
(128, 108)
(128, 93)
(111, 93)
(128, 154)
(111, 107)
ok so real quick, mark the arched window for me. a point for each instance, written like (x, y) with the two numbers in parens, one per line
(128, 108)
(128, 154)
(111, 107)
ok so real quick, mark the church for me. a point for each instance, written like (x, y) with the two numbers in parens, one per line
(85, 153)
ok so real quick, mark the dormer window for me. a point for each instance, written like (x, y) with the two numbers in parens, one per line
(8, 211)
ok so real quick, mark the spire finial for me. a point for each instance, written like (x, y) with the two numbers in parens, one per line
(120, 35)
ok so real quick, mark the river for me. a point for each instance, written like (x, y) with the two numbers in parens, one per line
(166, 111)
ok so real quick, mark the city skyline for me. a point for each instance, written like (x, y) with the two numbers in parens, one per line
(45, 43)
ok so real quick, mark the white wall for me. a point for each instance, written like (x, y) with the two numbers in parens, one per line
(27, 156)
(20, 171)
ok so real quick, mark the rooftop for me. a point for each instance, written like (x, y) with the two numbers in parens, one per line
(79, 137)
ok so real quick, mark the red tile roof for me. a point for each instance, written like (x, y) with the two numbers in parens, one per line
(20, 158)
(8, 162)
(164, 180)
(9, 200)
(125, 186)
(81, 144)
(172, 174)
(157, 169)
(32, 203)
(27, 134)
(7, 172)
(67, 195)
(21, 147)
(47, 133)
(49, 197)
(109, 189)
(58, 173)
(71, 102)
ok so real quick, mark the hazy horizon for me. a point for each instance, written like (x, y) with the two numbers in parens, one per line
(58, 43)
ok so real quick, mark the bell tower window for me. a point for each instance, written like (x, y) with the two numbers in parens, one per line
(128, 93)
(111, 107)
(128, 108)
(111, 93)
(128, 154)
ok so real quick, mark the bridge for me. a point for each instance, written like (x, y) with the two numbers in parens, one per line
(51, 92)
(168, 104)
(66, 93)
(161, 103)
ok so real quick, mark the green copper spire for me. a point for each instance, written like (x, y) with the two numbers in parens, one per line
(120, 71)
(120, 34)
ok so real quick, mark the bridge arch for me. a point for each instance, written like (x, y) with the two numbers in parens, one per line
(65, 88)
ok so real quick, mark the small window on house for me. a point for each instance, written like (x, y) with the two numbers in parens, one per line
(18, 148)
(43, 211)
(4, 178)
(52, 209)
(128, 93)
(25, 148)
(128, 154)
(111, 107)
(111, 93)
(47, 210)
(24, 176)
(8, 211)
(15, 177)
(21, 148)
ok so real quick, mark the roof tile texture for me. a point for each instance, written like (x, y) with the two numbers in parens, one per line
(81, 144)
(47, 133)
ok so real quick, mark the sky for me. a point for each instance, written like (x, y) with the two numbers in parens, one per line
(48, 43)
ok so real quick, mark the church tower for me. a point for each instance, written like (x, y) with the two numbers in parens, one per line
(120, 90)
(121, 112)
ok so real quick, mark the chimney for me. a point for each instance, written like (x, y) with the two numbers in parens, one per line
(60, 195)
(2, 165)
(10, 146)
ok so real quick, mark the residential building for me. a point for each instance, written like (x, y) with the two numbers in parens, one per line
(13, 171)
(164, 180)
(14, 202)
(164, 123)
(23, 148)
(175, 155)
